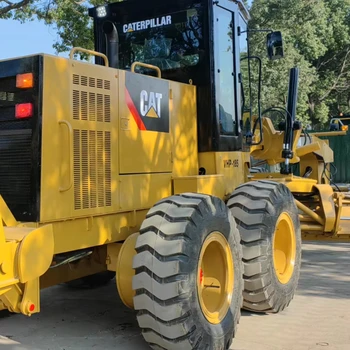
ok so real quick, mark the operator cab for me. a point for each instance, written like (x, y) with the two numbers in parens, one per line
(192, 41)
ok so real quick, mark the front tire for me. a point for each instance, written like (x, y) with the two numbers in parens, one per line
(188, 279)
(268, 221)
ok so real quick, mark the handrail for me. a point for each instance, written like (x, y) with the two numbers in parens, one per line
(70, 130)
(89, 52)
(149, 66)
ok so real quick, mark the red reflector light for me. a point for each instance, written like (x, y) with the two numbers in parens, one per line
(24, 110)
(24, 81)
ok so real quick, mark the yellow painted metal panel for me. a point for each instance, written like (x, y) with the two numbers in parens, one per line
(271, 147)
(141, 151)
(207, 161)
(8, 271)
(207, 184)
(6, 214)
(35, 253)
(183, 114)
(327, 202)
(294, 183)
(8, 247)
(79, 172)
(233, 165)
(144, 190)
(89, 232)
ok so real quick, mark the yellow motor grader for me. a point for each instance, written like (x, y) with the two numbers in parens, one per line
(137, 167)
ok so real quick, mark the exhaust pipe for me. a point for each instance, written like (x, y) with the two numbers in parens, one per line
(112, 38)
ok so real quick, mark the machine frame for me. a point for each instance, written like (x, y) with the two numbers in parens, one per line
(126, 163)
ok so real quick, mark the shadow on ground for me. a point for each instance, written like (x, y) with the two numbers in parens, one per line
(96, 318)
(325, 271)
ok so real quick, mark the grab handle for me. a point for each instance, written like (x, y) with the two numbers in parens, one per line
(149, 66)
(70, 143)
(89, 52)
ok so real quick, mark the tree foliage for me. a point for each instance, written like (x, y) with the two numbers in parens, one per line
(316, 39)
(69, 18)
(10, 9)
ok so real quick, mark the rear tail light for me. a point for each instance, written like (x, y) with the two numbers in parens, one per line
(24, 81)
(24, 110)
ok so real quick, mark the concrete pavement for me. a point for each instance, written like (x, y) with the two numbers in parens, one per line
(317, 319)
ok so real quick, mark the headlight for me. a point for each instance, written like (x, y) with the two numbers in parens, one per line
(101, 11)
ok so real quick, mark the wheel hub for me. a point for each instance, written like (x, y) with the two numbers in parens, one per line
(284, 248)
(215, 282)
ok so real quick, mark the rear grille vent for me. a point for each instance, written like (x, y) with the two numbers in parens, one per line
(7, 96)
(107, 85)
(20, 139)
(91, 82)
(92, 148)
(76, 79)
(16, 163)
(92, 169)
(91, 105)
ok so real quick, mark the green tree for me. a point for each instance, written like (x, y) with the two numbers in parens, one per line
(71, 21)
(69, 18)
(9, 9)
(317, 39)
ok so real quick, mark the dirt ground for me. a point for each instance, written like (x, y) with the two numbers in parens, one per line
(317, 319)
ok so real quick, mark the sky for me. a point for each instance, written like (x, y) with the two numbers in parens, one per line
(26, 39)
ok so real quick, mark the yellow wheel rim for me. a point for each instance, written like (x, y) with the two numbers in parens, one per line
(215, 280)
(284, 248)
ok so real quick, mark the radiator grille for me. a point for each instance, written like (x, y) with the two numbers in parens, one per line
(92, 148)
(7, 96)
(92, 169)
(16, 163)
(15, 169)
(91, 105)
(20, 139)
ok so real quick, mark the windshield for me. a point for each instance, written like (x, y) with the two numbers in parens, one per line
(170, 42)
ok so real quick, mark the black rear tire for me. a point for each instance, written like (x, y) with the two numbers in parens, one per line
(93, 281)
(5, 313)
(167, 274)
(257, 207)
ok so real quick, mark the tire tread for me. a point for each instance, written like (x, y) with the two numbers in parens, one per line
(163, 316)
(248, 204)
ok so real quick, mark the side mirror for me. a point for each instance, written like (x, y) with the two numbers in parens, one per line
(275, 46)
